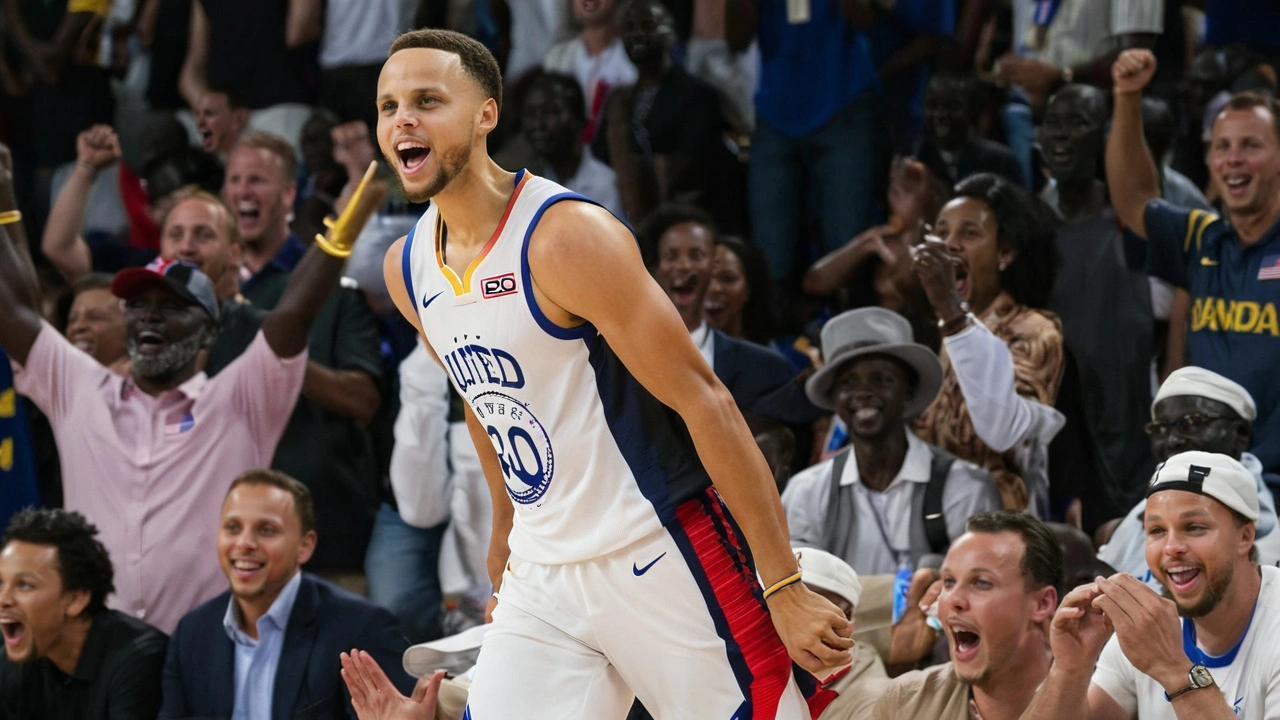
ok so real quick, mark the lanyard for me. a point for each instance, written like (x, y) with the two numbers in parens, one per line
(899, 556)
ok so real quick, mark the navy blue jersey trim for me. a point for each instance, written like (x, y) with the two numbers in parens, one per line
(406, 267)
(584, 330)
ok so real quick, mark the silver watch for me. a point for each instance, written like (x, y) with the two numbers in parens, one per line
(1200, 678)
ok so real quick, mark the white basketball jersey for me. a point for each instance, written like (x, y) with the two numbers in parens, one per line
(592, 461)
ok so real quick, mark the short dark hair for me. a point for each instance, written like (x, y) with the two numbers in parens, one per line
(1251, 99)
(759, 315)
(1026, 226)
(559, 81)
(663, 218)
(1042, 562)
(477, 61)
(967, 83)
(235, 98)
(171, 170)
(1158, 126)
(83, 562)
(302, 502)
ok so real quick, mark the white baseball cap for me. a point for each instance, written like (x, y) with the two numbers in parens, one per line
(1199, 382)
(1213, 474)
(824, 571)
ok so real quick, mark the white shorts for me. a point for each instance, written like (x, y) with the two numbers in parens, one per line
(676, 619)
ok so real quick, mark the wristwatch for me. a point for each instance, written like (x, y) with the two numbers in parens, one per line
(1200, 678)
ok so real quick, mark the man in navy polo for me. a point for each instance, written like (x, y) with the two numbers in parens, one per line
(1231, 264)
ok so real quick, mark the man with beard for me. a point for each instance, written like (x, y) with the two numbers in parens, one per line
(1231, 264)
(1220, 660)
(621, 571)
(146, 456)
(1107, 321)
(870, 505)
(1195, 409)
(1000, 585)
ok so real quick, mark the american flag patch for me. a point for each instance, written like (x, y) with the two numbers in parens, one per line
(1270, 269)
(184, 424)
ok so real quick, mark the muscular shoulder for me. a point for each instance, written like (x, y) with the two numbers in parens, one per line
(580, 227)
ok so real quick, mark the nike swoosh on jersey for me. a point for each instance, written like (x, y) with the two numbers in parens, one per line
(427, 301)
(642, 570)
(1207, 262)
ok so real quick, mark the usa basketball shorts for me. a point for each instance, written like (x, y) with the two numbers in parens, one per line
(675, 619)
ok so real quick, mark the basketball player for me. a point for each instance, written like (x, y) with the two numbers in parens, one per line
(619, 570)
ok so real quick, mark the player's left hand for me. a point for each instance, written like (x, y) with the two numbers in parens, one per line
(375, 698)
(816, 634)
(1147, 626)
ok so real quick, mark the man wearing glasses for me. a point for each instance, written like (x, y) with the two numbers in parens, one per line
(1196, 409)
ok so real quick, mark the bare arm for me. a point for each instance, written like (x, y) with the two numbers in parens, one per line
(96, 149)
(349, 393)
(1132, 176)
(586, 266)
(303, 23)
(833, 270)
(741, 17)
(19, 306)
(503, 511)
(192, 81)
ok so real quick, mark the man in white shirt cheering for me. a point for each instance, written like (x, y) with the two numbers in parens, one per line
(1217, 660)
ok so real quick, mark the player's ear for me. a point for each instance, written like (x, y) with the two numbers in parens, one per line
(488, 119)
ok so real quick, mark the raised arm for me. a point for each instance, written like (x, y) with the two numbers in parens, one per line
(1132, 176)
(503, 510)
(19, 306)
(302, 24)
(287, 326)
(96, 149)
(740, 20)
(1077, 635)
(585, 265)
(192, 80)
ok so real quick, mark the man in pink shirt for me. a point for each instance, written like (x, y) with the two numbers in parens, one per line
(147, 457)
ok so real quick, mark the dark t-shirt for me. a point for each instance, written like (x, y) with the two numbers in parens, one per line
(1109, 330)
(247, 52)
(118, 676)
(335, 458)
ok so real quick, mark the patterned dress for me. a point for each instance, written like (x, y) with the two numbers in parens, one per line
(1034, 338)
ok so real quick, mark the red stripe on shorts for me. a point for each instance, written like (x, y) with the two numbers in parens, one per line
(722, 556)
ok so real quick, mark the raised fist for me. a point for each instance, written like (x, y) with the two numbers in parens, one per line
(1133, 70)
(98, 146)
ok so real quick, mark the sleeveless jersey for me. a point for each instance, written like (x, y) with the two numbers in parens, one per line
(592, 461)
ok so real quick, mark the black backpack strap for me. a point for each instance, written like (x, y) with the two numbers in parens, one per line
(935, 521)
(831, 531)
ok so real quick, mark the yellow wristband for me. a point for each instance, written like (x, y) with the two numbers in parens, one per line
(10, 217)
(785, 582)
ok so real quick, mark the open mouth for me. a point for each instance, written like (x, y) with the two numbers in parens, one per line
(83, 343)
(246, 569)
(865, 415)
(966, 643)
(206, 140)
(1061, 155)
(412, 155)
(14, 631)
(683, 290)
(962, 276)
(1237, 184)
(248, 212)
(714, 311)
(149, 342)
(1182, 578)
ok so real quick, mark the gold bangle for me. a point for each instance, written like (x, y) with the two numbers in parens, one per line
(783, 583)
(10, 217)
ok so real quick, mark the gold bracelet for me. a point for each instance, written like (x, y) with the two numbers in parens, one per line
(10, 217)
(783, 583)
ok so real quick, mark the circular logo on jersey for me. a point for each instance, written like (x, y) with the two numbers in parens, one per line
(523, 446)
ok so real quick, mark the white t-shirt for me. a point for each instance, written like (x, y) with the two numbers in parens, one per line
(1248, 676)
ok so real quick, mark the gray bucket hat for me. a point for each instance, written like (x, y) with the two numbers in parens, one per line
(874, 331)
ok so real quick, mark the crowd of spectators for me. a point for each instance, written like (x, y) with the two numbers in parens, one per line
(994, 283)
